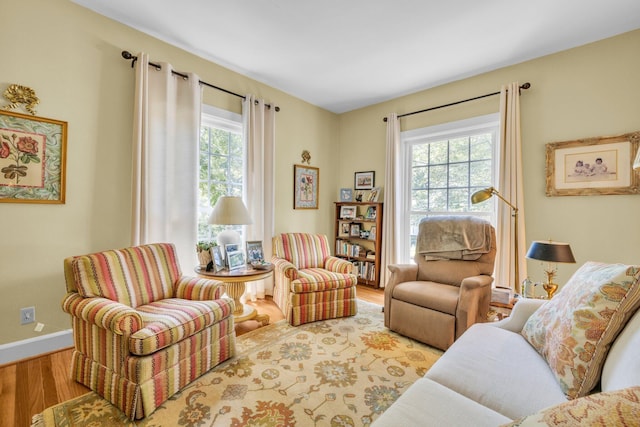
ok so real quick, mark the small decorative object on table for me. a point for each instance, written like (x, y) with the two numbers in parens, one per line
(552, 253)
(255, 255)
(203, 249)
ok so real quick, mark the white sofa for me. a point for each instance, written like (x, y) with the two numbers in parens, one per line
(492, 376)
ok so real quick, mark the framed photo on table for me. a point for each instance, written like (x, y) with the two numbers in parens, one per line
(255, 253)
(32, 159)
(217, 258)
(306, 181)
(593, 166)
(236, 260)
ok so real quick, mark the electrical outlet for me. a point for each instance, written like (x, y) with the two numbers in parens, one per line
(27, 315)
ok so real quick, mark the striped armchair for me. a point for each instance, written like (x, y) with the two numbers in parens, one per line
(310, 284)
(141, 330)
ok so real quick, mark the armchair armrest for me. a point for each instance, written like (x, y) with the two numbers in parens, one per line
(520, 313)
(199, 289)
(113, 316)
(285, 267)
(338, 265)
(402, 273)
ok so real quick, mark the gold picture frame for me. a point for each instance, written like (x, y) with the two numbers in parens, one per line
(593, 166)
(32, 159)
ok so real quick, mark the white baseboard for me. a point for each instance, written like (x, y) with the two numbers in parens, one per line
(24, 349)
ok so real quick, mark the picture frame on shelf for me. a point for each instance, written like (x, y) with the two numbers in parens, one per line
(373, 231)
(371, 212)
(217, 259)
(306, 183)
(359, 196)
(374, 194)
(364, 180)
(255, 254)
(354, 230)
(347, 212)
(236, 260)
(344, 229)
(593, 166)
(32, 159)
(346, 194)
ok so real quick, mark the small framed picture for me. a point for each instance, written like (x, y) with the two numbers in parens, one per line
(373, 231)
(217, 258)
(343, 230)
(347, 212)
(254, 252)
(374, 194)
(359, 195)
(354, 230)
(235, 259)
(364, 180)
(371, 212)
(346, 194)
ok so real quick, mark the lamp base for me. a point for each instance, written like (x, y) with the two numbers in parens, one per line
(551, 289)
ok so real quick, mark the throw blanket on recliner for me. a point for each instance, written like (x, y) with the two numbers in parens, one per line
(453, 237)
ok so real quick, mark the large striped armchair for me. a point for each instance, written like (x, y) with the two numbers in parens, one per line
(141, 330)
(310, 284)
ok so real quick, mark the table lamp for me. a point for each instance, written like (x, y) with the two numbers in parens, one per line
(229, 210)
(487, 193)
(551, 253)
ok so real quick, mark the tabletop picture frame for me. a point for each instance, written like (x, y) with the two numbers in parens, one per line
(306, 183)
(236, 260)
(217, 259)
(593, 166)
(32, 159)
(255, 254)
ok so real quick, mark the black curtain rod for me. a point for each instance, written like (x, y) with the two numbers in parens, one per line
(129, 56)
(524, 86)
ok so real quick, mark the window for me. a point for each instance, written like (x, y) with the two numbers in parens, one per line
(221, 164)
(445, 164)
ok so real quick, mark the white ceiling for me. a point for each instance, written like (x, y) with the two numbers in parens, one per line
(346, 54)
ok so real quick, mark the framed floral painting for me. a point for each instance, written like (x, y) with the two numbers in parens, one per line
(306, 180)
(32, 159)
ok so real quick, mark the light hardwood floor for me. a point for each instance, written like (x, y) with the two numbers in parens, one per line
(30, 386)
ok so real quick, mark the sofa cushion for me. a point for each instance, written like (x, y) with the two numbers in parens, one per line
(498, 369)
(427, 403)
(574, 330)
(319, 279)
(169, 321)
(613, 408)
(622, 367)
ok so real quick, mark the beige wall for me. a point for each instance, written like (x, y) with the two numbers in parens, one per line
(71, 58)
(584, 92)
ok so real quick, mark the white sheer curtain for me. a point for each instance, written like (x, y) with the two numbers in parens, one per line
(391, 227)
(510, 187)
(259, 129)
(165, 157)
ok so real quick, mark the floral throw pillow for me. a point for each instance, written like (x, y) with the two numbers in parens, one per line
(574, 330)
(612, 408)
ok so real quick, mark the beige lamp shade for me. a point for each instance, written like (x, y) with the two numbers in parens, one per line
(230, 210)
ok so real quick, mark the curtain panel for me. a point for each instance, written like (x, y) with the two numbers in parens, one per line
(165, 157)
(510, 187)
(259, 132)
(392, 200)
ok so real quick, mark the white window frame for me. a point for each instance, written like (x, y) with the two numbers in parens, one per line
(451, 130)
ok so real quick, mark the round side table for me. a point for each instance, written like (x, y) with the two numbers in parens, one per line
(235, 281)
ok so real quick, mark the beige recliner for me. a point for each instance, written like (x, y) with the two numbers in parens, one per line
(435, 300)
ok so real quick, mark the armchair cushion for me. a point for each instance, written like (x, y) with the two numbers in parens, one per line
(435, 296)
(319, 279)
(171, 320)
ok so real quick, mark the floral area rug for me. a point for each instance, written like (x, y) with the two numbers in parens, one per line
(340, 372)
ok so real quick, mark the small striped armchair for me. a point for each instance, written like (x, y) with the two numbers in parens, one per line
(310, 284)
(141, 330)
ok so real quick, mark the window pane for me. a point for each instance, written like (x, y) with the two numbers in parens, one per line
(459, 175)
(438, 176)
(459, 150)
(420, 177)
(438, 200)
(481, 147)
(458, 200)
(420, 200)
(480, 173)
(438, 152)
